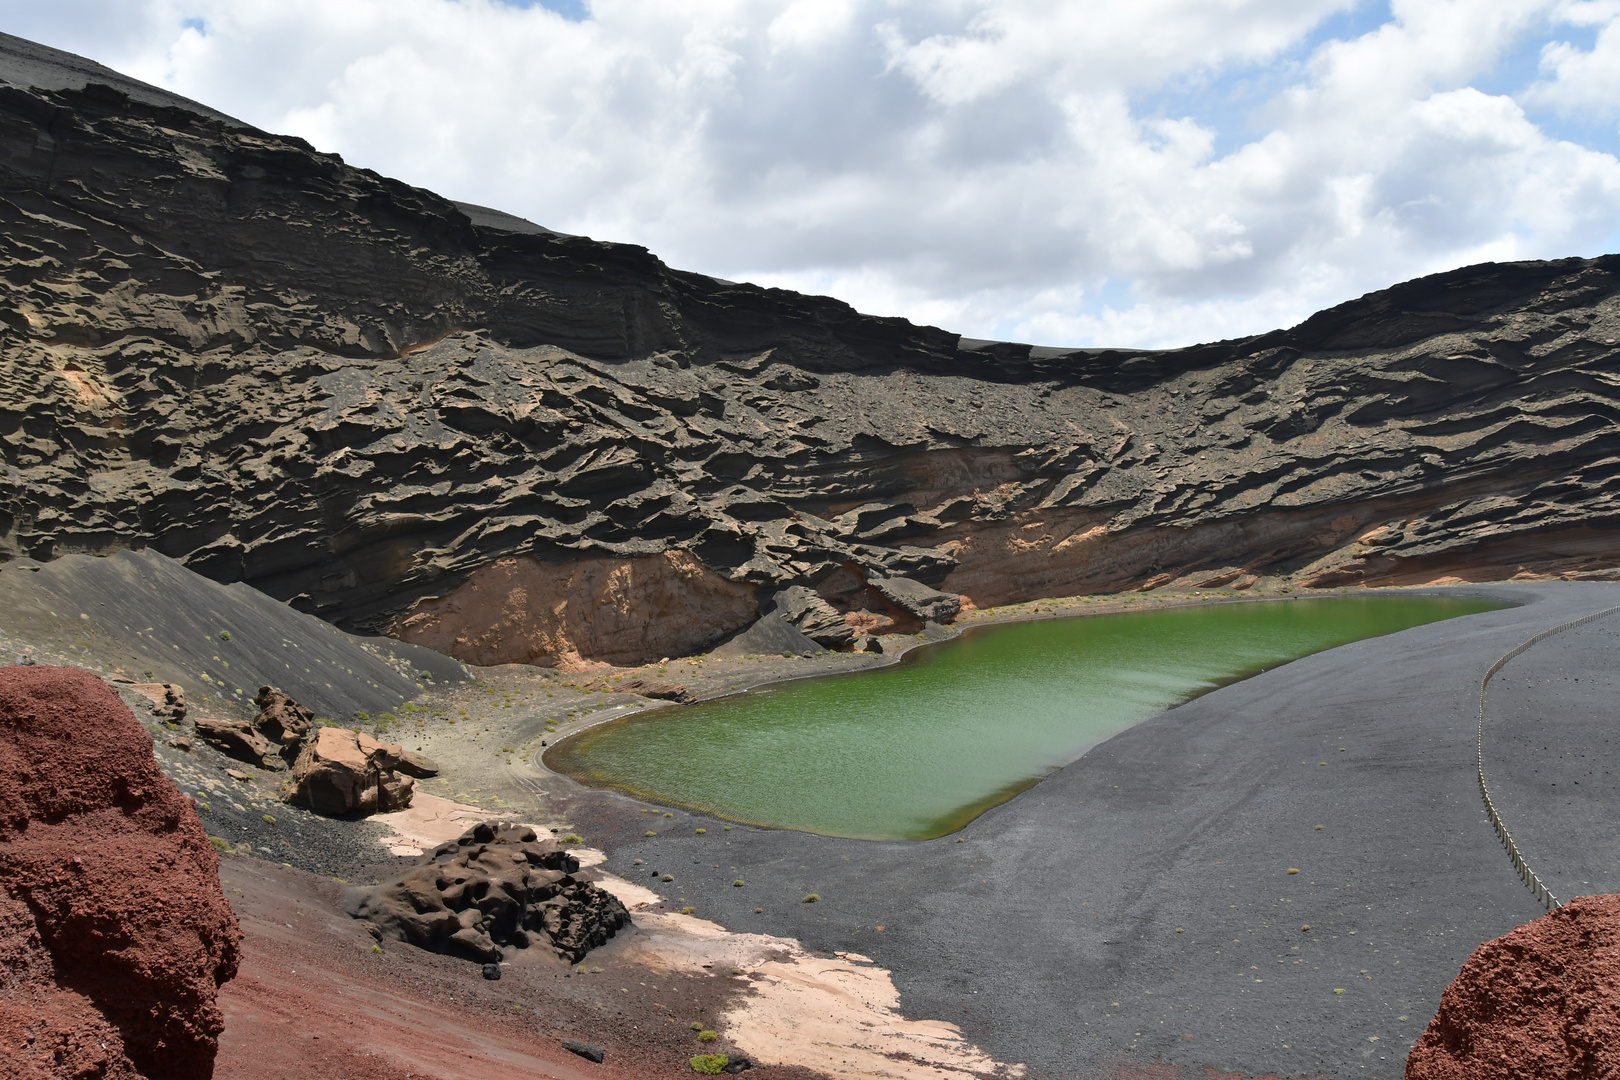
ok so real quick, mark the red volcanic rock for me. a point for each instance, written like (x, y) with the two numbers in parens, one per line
(114, 932)
(1541, 1001)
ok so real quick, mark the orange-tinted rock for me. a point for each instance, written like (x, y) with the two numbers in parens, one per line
(339, 771)
(618, 611)
(114, 932)
(1542, 1002)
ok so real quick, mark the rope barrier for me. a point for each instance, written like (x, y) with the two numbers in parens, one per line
(1533, 881)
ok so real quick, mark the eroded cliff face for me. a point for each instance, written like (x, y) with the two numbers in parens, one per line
(396, 411)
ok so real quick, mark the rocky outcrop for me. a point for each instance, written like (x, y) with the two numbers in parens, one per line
(282, 720)
(1539, 1001)
(339, 771)
(401, 413)
(168, 700)
(114, 932)
(810, 614)
(582, 613)
(237, 739)
(498, 885)
(646, 687)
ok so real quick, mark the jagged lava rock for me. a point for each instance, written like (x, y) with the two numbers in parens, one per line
(496, 885)
(340, 771)
(282, 720)
(1541, 1002)
(168, 700)
(111, 912)
(235, 738)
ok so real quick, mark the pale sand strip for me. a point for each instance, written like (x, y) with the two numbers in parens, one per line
(838, 1014)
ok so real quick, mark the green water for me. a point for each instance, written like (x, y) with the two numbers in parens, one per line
(920, 749)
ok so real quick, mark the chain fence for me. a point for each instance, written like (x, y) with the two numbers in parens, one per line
(1531, 879)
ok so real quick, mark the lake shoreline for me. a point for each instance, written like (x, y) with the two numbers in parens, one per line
(1071, 710)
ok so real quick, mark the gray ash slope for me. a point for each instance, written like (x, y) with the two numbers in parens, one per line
(144, 617)
(352, 394)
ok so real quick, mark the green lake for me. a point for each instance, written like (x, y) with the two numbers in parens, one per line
(919, 749)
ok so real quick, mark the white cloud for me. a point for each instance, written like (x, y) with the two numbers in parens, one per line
(1142, 172)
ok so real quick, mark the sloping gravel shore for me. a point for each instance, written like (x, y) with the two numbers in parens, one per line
(1139, 904)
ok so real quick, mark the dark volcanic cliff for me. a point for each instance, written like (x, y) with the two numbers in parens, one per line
(404, 413)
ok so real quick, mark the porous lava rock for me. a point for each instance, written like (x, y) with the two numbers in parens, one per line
(237, 739)
(168, 700)
(114, 933)
(340, 771)
(282, 720)
(1542, 1001)
(497, 885)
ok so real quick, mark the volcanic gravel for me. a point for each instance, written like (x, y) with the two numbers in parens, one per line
(1138, 905)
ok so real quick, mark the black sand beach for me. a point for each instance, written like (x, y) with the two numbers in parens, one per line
(1139, 905)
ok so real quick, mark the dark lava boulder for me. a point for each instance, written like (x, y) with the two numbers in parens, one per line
(282, 720)
(496, 885)
(114, 933)
(1542, 1000)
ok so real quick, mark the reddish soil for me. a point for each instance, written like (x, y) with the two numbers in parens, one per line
(113, 929)
(1541, 1001)
(318, 999)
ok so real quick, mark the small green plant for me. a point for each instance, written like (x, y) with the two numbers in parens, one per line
(649, 832)
(220, 843)
(739, 883)
(386, 718)
(571, 838)
(707, 1036)
(696, 1026)
(376, 948)
(812, 898)
(759, 911)
(268, 820)
(710, 1064)
(363, 717)
(702, 832)
(688, 910)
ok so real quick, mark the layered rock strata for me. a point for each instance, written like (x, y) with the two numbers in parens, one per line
(114, 932)
(404, 413)
(498, 885)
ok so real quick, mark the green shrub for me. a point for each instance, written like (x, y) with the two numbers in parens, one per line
(571, 838)
(707, 1036)
(220, 843)
(224, 635)
(812, 898)
(710, 1064)
(363, 717)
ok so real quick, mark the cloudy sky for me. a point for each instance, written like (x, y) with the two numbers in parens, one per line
(1141, 172)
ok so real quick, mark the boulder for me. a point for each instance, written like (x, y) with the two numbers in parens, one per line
(418, 765)
(282, 720)
(168, 700)
(114, 932)
(650, 688)
(339, 771)
(1538, 1001)
(809, 613)
(235, 738)
(497, 885)
(918, 599)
